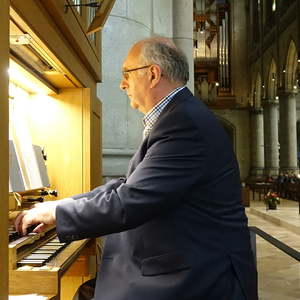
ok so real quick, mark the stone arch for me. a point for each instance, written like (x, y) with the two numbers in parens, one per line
(272, 80)
(230, 130)
(291, 67)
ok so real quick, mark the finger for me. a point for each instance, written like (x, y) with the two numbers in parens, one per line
(26, 222)
(18, 221)
(38, 229)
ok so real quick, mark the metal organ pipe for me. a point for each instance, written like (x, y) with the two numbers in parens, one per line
(226, 51)
(223, 54)
(220, 56)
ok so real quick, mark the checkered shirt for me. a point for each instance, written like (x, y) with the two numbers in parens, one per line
(152, 116)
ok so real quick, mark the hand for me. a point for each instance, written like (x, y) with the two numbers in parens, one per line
(42, 214)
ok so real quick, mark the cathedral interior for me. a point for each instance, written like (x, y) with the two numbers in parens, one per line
(244, 63)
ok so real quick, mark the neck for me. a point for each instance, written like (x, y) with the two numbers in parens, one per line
(163, 91)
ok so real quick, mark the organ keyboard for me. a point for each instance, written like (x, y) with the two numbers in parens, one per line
(43, 254)
(39, 263)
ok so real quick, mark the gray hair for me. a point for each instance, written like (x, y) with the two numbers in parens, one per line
(163, 52)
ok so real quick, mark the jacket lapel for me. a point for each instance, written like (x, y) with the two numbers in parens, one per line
(137, 157)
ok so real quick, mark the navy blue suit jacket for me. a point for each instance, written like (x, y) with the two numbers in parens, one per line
(176, 227)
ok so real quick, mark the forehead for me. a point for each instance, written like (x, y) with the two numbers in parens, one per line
(133, 57)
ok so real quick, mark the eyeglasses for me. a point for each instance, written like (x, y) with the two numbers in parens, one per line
(125, 72)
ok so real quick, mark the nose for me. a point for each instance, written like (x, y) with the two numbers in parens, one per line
(123, 84)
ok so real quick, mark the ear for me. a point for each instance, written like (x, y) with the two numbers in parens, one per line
(155, 75)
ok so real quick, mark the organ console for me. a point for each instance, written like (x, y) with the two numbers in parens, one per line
(41, 256)
(53, 71)
(39, 263)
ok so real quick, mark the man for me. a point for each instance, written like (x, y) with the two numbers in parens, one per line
(176, 227)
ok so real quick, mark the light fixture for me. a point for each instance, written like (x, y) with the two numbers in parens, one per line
(22, 78)
(217, 84)
(283, 71)
(273, 76)
(276, 97)
(274, 5)
(20, 39)
(202, 27)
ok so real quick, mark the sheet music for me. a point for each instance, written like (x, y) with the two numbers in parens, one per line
(41, 165)
(16, 183)
(29, 157)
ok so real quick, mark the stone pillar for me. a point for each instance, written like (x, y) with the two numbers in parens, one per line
(288, 131)
(257, 146)
(183, 32)
(238, 49)
(271, 137)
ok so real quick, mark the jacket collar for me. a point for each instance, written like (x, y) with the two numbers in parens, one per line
(140, 153)
(179, 97)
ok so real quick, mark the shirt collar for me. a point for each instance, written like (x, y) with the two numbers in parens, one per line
(151, 117)
(157, 109)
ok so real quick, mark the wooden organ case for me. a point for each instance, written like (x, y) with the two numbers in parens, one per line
(53, 71)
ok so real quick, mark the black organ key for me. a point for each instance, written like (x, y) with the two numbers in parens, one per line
(14, 235)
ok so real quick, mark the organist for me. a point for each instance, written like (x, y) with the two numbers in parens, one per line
(176, 226)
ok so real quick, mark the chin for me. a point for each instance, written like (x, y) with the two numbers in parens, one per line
(134, 105)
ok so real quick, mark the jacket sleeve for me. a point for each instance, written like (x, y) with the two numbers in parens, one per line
(112, 184)
(168, 172)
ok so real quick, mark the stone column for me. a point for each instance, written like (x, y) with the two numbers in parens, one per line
(257, 146)
(271, 137)
(288, 131)
(183, 32)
